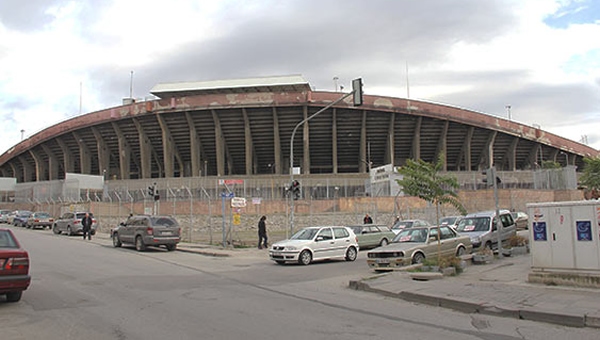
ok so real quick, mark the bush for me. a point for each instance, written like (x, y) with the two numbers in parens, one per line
(517, 241)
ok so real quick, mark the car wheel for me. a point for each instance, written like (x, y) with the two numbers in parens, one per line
(171, 247)
(460, 251)
(14, 296)
(305, 257)
(116, 240)
(69, 231)
(418, 258)
(351, 254)
(280, 262)
(55, 230)
(488, 246)
(139, 244)
(384, 242)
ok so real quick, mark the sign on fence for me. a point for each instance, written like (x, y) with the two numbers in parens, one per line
(238, 202)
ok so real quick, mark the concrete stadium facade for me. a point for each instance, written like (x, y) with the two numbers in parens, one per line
(243, 128)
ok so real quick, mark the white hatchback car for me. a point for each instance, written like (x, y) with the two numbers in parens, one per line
(316, 243)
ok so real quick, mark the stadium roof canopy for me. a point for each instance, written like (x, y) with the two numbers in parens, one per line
(243, 127)
(292, 83)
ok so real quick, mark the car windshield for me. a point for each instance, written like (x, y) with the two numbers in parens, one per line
(473, 224)
(305, 234)
(7, 240)
(417, 235)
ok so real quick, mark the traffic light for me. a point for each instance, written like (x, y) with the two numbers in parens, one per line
(357, 92)
(295, 189)
(151, 191)
(490, 175)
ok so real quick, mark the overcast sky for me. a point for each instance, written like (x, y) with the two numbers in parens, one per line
(540, 57)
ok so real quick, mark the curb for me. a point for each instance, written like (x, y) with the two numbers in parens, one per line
(202, 252)
(471, 306)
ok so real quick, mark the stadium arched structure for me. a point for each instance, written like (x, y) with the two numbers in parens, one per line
(243, 127)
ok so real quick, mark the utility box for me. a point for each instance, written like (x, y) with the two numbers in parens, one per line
(565, 237)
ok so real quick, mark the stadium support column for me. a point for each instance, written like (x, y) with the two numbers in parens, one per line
(27, 170)
(195, 146)
(85, 159)
(219, 144)
(362, 153)
(487, 155)
(52, 163)
(512, 154)
(103, 153)
(249, 147)
(124, 153)
(389, 150)
(416, 144)
(40, 166)
(276, 143)
(334, 144)
(168, 148)
(442, 145)
(67, 160)
(306, 144)
(145, 151)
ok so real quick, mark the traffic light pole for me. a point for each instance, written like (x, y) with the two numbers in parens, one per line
(292, 154)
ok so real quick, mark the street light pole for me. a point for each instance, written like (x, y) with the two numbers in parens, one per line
(292, 152)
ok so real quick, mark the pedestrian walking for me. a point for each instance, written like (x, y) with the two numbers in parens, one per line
(86, 223)
(367, 219)
(262, 233)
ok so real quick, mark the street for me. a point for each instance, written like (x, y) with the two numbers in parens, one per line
(90, 290)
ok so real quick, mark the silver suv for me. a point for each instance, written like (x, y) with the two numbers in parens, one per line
(145, 230)
(70, 223)
(482, 227)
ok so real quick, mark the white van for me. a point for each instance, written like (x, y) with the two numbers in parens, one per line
(482, 227)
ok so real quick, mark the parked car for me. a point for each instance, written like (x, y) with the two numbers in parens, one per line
(21, 217)
(145, 230)
(372, 235)
(14, 267)
(11, 217)
(316, 243)
(413, 245)
(399, 225)
(482, 227)
(40, 219)
(521, 220)
(451, 221)
(70, 223)
(4, 215)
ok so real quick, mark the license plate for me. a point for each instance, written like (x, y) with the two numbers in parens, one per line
(382, 260)
(167, 233)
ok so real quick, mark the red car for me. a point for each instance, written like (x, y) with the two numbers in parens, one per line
(14, 267)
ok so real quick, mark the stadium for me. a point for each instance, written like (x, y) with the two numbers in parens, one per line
(243, 127)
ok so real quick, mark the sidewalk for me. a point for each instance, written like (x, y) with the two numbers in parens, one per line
(499, 288)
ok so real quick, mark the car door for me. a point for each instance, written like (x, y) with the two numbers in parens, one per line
(341, 241)
(324, 244)
(61, 224)
(509, 227)
(449, 241)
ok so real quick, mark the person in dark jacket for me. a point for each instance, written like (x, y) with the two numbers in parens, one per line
(367, 219)
(262, 233)
(86, 223)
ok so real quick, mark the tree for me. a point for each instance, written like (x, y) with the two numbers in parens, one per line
(590, 179)
(551, 165)
(422, 179)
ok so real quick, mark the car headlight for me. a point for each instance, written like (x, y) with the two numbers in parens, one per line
(476, 239)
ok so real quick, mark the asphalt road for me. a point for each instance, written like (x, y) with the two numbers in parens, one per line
(90, 290)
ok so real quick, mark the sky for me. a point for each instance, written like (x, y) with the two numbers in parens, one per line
(536, 62)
